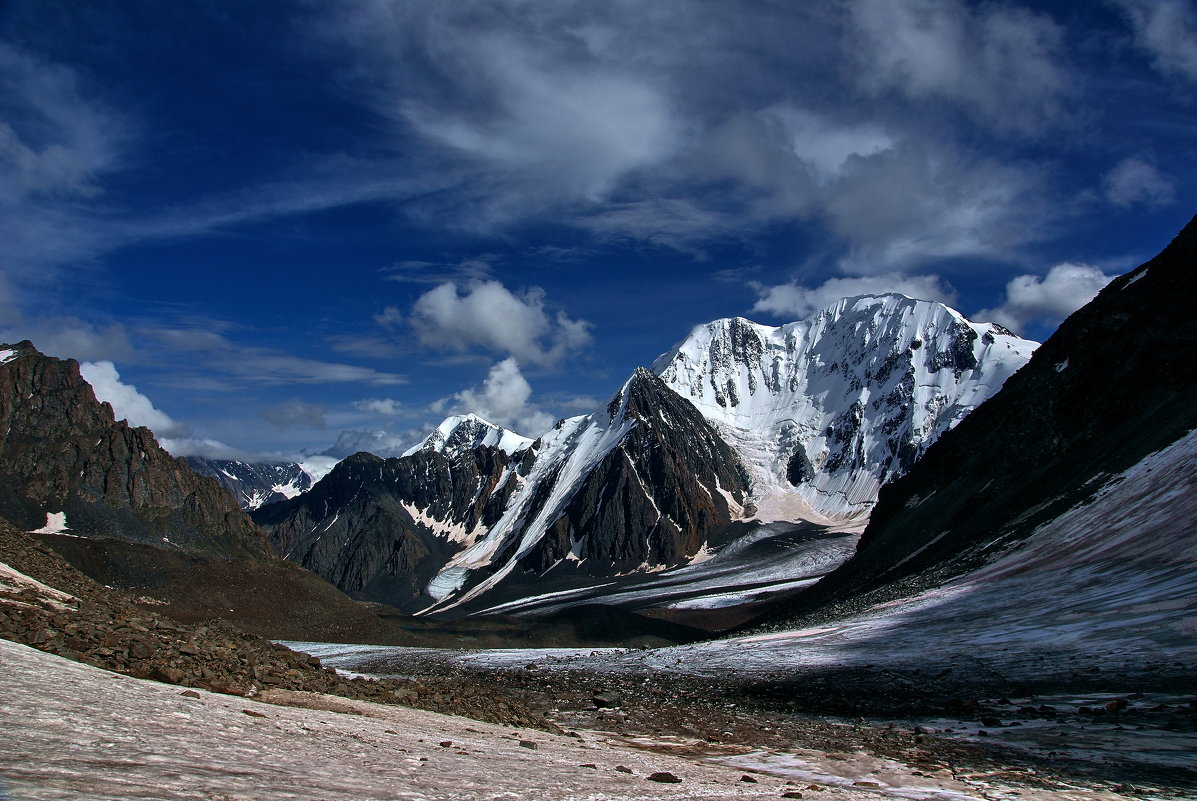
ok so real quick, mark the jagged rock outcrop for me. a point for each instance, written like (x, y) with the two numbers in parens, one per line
(62, 452)
(255, 484)
(1115, 383)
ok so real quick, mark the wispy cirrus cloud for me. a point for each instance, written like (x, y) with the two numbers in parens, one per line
(1167, 31)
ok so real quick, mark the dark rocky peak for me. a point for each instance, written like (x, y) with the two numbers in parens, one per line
(64, 452)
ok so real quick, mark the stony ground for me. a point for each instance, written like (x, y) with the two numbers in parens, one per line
(100, 627)
(67, 725)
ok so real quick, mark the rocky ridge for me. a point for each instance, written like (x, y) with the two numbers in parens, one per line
(640, 483)
(64, 453)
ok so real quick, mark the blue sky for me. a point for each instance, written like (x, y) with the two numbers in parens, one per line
(272, 229)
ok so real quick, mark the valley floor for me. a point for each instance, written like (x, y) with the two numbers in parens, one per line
(71, 731)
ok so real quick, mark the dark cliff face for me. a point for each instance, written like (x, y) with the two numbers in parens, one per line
(655, 498)
(356, 527)
(1116, 382)
(63, 451)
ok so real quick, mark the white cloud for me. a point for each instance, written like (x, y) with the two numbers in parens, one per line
(912, 204)
(1134, 180)
(1167, 31)
(795, 302)
(382, 406)
(503, 399)
(1002, 63)
(486, 315)
(1047, 300)
(563, 126)
(127, 402)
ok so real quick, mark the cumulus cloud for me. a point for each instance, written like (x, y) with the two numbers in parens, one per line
(487, 315)
(126, 401)
(295, 413)
(794, 302)
(1002, 63)
(1167, 31)
(503, 399)
(386, 407)
(1133, 181)
(1048, 300)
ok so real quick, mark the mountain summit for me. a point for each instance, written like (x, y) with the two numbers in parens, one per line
(825, 410)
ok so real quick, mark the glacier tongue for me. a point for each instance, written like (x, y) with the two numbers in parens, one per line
(825, 410)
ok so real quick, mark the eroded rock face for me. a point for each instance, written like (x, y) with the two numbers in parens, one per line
(380, 528)
(62, 451)
(653, 500)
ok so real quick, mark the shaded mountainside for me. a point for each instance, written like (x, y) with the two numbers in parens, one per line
(638, 484)
(64, 452)
(1114, 384)
(380, 529)
(254, 484)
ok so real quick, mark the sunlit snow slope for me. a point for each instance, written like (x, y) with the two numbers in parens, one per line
(825, 410)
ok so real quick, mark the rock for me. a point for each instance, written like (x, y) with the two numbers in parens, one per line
(590, 765)
(190, 694)
(446, 744)
(253, 713)
(623, 769)
(608, 699)
(528, 744)
(663, 776)
(791, 794)
(748, 779)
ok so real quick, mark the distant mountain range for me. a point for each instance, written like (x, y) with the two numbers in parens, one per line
(255, 483)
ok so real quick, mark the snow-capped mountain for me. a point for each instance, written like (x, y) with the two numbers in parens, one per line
(256, 483)
(825, 410)
(461, 433)
(639, 484)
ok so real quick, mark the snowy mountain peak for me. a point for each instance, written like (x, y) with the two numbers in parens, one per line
(825, 409)
(460, 433)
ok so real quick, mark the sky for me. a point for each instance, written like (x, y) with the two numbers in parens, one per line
(273, 230)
